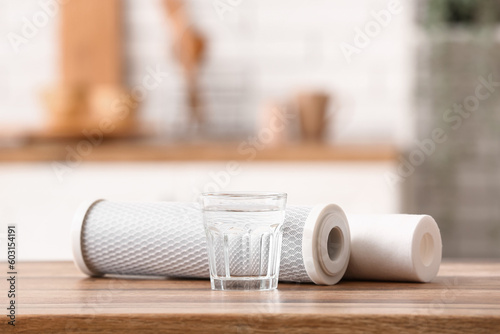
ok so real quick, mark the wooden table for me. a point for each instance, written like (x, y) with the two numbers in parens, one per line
(55, 297)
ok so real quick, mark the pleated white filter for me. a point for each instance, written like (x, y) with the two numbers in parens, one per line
(168, 239)
(394, 248)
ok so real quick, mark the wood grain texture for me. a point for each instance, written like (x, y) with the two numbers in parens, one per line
(134, 151)
(56, 298)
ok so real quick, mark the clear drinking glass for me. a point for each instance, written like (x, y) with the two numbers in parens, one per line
(244, 232)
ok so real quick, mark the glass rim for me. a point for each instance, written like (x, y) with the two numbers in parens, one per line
(245, 194)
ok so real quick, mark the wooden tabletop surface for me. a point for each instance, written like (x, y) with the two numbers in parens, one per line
(54, 297)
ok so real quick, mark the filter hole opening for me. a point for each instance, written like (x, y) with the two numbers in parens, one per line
(427, 249)
(335, 243)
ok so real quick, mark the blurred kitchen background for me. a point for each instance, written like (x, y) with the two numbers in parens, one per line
(380, 106)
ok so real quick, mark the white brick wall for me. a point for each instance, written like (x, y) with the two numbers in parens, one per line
(23, 74)
(264, 50)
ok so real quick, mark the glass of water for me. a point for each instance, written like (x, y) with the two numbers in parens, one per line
(244, 232)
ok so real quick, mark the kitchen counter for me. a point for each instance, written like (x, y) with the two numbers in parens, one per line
(152, 151)
(55, 297)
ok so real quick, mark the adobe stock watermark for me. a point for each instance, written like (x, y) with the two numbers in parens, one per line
(454, 118)
(223, 7)
(120, 108)
(372, 29)
(446, 295)
(30, 27)
(96, 303)
(248, 149)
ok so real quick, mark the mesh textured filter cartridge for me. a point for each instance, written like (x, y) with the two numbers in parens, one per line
(168, 239)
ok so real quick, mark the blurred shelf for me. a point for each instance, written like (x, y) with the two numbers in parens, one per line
(146, 151)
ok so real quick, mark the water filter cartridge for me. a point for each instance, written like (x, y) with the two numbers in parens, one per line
(168, 239)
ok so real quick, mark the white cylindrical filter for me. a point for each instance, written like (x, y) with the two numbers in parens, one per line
(168, 239)
(394, 248)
